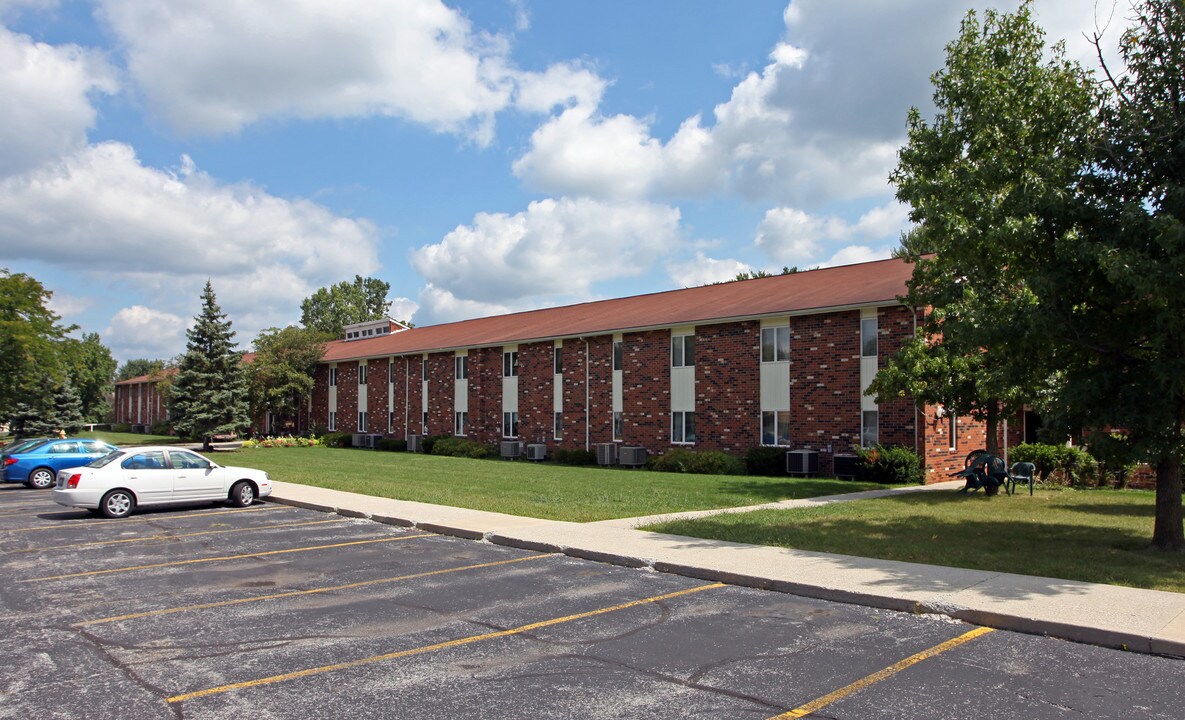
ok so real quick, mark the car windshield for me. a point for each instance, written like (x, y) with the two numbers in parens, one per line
(22, 446)
(106, 459)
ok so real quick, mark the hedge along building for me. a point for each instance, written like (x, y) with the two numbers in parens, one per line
(777, 361)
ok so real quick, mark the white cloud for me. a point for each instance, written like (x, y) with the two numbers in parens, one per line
(214, 67)
(853, 254)
(703, 270)
(794, 237)
(553, 248)
(101, 213)
(559, 85)
(138, 331)
(438, 305)
(46, 111)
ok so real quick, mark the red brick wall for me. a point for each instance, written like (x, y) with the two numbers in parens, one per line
(645, 390)
(825, 384)
(600, 389)
(485, 395)
(899, 417)
(573, 395)
(728, 386)
(536, 382)
(441, 393)
(376, 395)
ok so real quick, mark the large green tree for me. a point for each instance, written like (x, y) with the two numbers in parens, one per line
(1115, 301)
(209, 392)
(281, 374)
(332, 308)
(91, 369)
(30, 338)
(138, 367)
(987, 181)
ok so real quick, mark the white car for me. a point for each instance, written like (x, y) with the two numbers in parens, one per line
(118, 482)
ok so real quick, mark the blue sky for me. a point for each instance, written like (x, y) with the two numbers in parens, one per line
(481, 157)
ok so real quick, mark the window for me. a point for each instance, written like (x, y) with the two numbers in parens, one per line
(558, 432)
(424, 424)
(147, 460)
(390, 372)
(683, 427)
(361, 374)
(510, 363)
(775, 427)
(332, 375)
(424, 369)
(332, 420)
(462, 362)
(954, 431)
(868, 431)
(460, 421)
(618, 430)
(361, 421)
(868, 337)
(617, 354)
(390, 422)
(510, 424)
(775, 344)
(559, 361)
(682, 351)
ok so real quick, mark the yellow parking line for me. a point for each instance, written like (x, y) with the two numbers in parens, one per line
(818, 704)
(227, 557)
(438, 646)
(125, 521)
(295, 593)
(158, 536)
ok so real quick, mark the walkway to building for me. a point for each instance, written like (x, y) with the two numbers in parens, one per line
(1148, 621)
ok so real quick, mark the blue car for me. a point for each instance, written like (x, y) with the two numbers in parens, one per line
(37, 465)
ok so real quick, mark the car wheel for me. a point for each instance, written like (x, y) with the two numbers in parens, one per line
(117, 504)
(242, 494)
(40, 479)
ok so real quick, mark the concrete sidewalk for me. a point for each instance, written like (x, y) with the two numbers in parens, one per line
(1148, 621)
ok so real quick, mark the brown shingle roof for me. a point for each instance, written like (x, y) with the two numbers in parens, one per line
(872, 283)
(166, 372)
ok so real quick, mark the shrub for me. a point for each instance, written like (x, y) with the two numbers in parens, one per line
(1044, 457)
(702, 462)
(430, 442)
(1058, 463)
(161, 428)
(391, 445)
(769, 461)
(338, 440)
(889, 465)
(462, 447)
(574, 457)
(121, 428)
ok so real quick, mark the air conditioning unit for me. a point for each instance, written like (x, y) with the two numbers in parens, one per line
(633, 456)
(415, 443)
(536, 452)
(511, 449)
(845, 466)
(802, 462)
(607, 454)
(359, 440)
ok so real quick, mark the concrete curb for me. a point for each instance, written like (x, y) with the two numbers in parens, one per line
(1145, 621)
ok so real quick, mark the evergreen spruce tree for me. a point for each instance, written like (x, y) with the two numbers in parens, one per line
(209, 394)
(58, 408)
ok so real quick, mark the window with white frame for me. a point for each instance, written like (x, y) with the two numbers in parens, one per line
(462, 363)
(390, 422)
(775, 344)
(424, 424)
(682, 351)
(618, 354)
(869, 435)
(558, 361)
(460, 423)
(510, 363)
(510, 424)
(361, 421)
(424, 369)
(390, 372)
(954, 431)
(618, 427)
(332, 420)
(333, 375)
(361, 374)
(775, 427)
(682, 427)
(558, 429)
(868, 333)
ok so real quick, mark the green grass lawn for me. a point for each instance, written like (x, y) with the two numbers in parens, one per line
(121, 439)
(1091, 535)
(555, 492)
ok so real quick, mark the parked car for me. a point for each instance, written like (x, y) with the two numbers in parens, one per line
(36, 465)
(116, 484)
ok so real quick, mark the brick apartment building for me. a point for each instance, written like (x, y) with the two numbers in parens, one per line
(778, 361)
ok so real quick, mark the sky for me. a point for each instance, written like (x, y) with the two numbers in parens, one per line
(482, 157)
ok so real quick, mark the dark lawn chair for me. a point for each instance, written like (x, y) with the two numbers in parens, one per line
(984, 470)
(1022, 472)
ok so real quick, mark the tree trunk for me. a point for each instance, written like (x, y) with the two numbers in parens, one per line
(1168, 533)
(993, 424)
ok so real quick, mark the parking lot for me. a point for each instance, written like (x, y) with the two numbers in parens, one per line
(278, 612)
